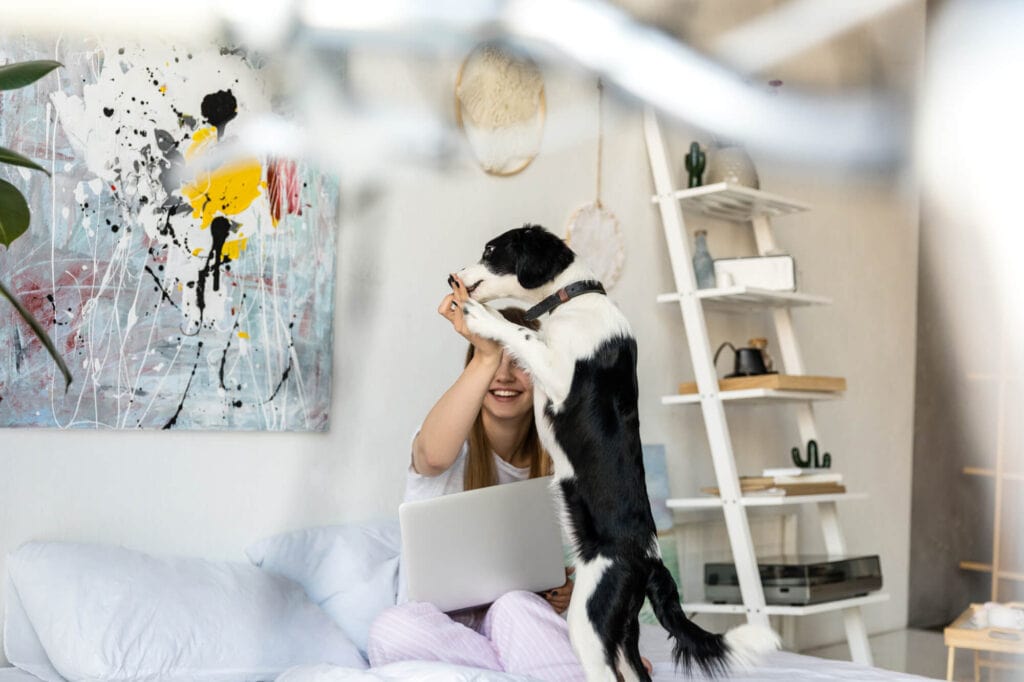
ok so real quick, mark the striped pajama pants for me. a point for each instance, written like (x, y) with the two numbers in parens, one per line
(520, 634)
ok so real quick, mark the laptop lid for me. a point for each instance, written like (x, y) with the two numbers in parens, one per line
(467, 549)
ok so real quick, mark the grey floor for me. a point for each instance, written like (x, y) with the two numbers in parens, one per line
(918, 652)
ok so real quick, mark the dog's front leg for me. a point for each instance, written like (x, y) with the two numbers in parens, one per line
(525, 345)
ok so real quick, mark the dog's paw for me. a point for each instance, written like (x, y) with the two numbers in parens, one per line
(482, 321)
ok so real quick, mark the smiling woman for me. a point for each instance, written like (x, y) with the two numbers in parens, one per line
(507, 414)
(481, 432)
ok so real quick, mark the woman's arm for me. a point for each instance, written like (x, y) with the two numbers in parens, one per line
(448, 423)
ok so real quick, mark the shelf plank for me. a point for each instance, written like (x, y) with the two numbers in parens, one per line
(754, 396)
(776, 610)
(711, 502)
(987, 568)
(741, 299)
(733, 202)
(991, 473)
(780, 382)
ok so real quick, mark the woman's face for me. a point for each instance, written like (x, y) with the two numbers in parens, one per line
(510, 395)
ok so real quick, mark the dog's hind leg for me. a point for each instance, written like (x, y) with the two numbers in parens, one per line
(588, 644)
(631, 667)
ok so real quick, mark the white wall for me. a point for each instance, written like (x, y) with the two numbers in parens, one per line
(210, 494)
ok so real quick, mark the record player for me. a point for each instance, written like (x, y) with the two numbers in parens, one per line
(798, 580)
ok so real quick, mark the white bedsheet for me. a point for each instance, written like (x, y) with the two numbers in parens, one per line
(15, 675)
(778, 666)
(655, 645)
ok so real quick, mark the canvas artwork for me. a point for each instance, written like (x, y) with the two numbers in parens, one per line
(183, 292)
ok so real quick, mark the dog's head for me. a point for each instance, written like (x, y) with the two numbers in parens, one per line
(518, 264)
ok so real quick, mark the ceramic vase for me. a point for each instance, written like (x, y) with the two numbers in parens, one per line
(731, 163)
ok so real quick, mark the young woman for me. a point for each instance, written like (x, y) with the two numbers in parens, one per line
(481, 432)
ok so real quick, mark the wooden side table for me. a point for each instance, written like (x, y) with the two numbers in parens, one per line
(961, 635)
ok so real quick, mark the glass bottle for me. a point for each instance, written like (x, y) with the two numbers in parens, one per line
(703, 264)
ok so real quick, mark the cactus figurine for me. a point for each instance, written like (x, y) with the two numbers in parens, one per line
(812, 453)
(695, 162)
(812, 460)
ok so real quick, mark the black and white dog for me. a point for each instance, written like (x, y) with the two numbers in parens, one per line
(583, 366)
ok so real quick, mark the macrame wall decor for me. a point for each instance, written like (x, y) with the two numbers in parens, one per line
(499, 104)
(593, 231)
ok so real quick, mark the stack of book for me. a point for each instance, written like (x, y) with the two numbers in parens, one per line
(789, 482)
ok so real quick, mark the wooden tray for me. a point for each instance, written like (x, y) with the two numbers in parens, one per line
(984, 639)
(782, 382)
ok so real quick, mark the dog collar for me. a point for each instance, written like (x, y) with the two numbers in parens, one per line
(562, 295)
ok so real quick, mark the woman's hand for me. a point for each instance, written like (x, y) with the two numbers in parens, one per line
(560, 596)
(451, 310)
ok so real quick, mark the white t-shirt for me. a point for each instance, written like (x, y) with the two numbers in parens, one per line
(420, 487)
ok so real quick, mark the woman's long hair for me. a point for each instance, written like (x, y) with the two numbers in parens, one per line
(480, 469)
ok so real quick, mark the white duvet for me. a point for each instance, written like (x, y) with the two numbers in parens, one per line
(424, 671)
(80, 612)
(777, 667)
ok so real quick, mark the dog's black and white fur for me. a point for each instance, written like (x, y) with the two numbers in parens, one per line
(583, 366)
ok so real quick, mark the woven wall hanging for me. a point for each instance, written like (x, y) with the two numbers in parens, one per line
(593, 230)
(500, 105)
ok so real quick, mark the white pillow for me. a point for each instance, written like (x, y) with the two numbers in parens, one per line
(21, 643)
(109, 613)
(350, 571)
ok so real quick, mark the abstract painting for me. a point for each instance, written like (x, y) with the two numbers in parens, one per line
(186, 287)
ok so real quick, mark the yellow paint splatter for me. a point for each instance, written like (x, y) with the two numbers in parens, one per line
(201, 139)
(233, 249)
(196, 252)
(229, 190)
(163, 88)
(243, 335)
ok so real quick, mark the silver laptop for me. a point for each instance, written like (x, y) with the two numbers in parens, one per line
(467, 549)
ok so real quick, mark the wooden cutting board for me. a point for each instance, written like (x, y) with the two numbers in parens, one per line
(782, 382)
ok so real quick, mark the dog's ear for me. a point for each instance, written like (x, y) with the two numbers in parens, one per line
(540, 256)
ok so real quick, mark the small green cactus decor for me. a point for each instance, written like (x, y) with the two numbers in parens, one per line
(812, 457)
(695, 162)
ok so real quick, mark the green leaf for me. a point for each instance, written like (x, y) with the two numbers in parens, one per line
(40, 333)
(14, 76)
(15, 159)
(14, 213)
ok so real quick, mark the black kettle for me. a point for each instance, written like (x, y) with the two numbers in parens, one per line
(748, 361)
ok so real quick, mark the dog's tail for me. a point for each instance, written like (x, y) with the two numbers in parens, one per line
(714, 654)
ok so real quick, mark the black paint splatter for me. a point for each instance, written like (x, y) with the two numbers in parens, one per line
(231, 337)
(108, 112)
(160, 285)
(288, 369)
(284, 377)
(220, 228)
(174, 420)
(219, 108)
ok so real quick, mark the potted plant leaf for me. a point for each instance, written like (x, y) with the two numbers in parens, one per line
(14, 210)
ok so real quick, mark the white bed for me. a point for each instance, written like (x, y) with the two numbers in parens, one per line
(778, 666)
(109, 613)
(15, 675)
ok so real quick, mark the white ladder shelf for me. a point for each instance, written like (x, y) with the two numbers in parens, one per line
(742, 204)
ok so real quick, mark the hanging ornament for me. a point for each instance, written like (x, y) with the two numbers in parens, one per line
(500, 105)
(593, 230)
